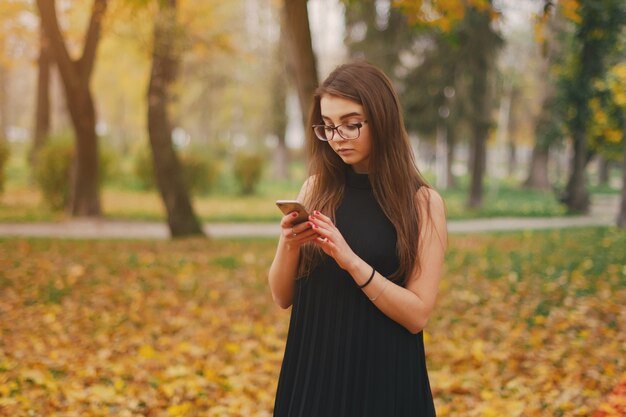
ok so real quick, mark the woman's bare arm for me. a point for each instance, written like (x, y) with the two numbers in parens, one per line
(411, 305)
(284, 267)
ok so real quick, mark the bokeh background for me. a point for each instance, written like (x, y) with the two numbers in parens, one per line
(190, 114)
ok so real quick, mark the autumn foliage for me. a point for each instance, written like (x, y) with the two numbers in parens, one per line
(527, 324)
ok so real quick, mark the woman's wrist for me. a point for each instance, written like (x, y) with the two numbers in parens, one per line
(355, 266)
(289, 247)
(359, 270)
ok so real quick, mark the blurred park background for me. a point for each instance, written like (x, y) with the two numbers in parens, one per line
(190, 112)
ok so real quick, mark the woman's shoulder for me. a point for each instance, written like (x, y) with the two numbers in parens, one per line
(306, 188)
(431, 214)
(429, 199)
(428, 195)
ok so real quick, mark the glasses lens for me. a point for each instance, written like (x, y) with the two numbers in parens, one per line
(323, 132)
(349, 131)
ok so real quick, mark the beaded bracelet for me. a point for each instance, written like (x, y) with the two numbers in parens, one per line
(381, 291)
(369, 279)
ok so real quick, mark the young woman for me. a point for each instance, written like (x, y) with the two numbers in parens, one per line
(362, 273)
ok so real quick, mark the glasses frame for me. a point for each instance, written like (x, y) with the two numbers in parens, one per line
(335, 129)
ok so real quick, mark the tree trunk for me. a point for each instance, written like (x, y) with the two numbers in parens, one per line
(75, 76)
(604, 168)
(589, 66)
(538, 173)
(181, 218)
(512, 157)
(621, 217)
(42, 111)
(300, 53)
(451, 138)
(479, 161)
(279, 111)
(4, 101)
(479, 62)
(512, 128)
(85, 195)
(281, 160)
(480, 128)
(576, 195)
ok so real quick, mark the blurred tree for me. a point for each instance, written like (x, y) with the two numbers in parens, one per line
(300, 52)
(621, 216)
(469, 24)
(166, 53)
(382, 35)
(14, 33)
(479, 44)
(548, 130)
(121, 83)
(442, 15)
(598, 24)
(434, 98)
(607, 131)
(551, 35)
(279, 109)
(3, 102)
(378, 33)
(42, 107)
(607, 112)
(76, 75)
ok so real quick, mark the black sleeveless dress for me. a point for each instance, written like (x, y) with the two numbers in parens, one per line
(344, 357)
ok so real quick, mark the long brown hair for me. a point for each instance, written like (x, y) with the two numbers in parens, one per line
(392, 170)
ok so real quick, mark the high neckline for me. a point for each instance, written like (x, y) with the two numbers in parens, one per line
(356, 180)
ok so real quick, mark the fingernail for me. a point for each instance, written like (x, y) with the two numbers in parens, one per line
(312, 217)
(315, 226)
(294, 214)
(316, 212)
(311, 224)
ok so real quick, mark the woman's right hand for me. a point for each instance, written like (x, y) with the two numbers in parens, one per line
(296, 234)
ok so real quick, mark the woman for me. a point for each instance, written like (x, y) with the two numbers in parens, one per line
(362, 273)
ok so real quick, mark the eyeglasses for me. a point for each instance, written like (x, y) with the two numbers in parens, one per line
(347, 131)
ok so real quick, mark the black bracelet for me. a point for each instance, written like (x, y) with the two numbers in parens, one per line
(369, 279)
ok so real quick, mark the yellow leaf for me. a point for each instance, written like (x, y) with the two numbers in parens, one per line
(478, 350)
(147, 351)
(179, 409)
(232, 347)
(119, 384)
(103, 393)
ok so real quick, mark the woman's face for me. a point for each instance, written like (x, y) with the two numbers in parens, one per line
(340, 111)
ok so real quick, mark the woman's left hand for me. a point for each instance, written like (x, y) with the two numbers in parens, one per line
(331, 240)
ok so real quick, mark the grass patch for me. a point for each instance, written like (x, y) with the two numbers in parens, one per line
(504, 200)
(121, 199)
(24, 203)
(525, 323)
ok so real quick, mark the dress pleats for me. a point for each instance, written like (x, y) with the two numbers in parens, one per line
(344, 357)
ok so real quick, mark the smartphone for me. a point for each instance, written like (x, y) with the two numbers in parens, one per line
(287, 206)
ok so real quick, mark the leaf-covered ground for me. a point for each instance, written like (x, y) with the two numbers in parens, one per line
(527, 324)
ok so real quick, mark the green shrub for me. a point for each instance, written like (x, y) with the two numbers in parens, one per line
(52, 172)
(108, 166)
(142, 168)
(4, 158)
(200, 173)
(248, 168)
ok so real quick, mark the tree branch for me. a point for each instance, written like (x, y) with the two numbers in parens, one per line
(86, 62)
(50, 23)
